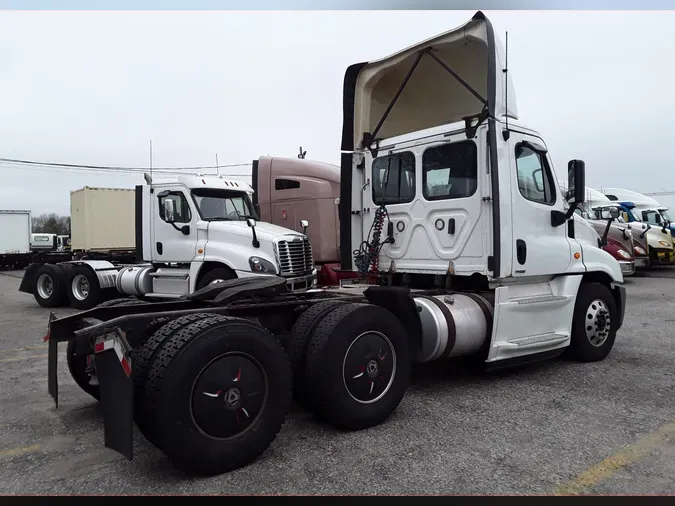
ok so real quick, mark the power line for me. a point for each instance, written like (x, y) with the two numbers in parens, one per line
(112, 167)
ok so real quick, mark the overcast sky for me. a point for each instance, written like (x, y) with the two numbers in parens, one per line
(95, 87)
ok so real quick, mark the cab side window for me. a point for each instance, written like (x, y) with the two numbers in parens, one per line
(174, 208)
(535, 180)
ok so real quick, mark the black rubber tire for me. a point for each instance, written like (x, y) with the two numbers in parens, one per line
(77, 365)
(175, 371)
(298, 344)
(59, 276)
(222, 273)
(96, 294)
(144, 415)
(327, 352)
(581, 348)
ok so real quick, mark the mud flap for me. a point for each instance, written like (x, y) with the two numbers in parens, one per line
(28, 281)
(52, 355)
(113, 370)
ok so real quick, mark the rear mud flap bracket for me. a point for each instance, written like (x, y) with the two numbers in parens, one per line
(114, 373)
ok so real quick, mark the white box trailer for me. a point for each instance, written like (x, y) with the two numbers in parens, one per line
(14, 238)
(102, 219)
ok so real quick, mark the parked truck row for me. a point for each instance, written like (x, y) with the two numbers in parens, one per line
(449, 215)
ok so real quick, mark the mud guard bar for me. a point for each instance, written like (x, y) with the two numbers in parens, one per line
(115, 377)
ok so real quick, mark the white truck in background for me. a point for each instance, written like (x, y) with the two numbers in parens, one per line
(166, 239)
(15, 238)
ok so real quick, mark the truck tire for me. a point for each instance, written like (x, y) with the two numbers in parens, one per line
(358, 366)
(221, 389)
(77, 365)
(144, 416)
(594, 325)
(297, 345)
(83, 289)
(214, 275)
(50, 284)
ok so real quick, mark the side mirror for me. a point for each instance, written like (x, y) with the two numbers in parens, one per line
(250, 222)
(610, 213)
(576, 180)
(304, 224)
(576, 184)
(185, 229)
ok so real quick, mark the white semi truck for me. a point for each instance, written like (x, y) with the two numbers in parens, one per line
(449, 208)
(166, 239)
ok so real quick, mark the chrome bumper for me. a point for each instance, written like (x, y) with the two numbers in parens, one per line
(641, 262)
(627, 268)
(302, 283)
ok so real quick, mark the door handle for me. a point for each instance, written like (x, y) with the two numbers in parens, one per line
(521, 251)
(451, 225)
(160, 248)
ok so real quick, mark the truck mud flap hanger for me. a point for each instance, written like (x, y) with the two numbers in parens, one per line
(114, 373)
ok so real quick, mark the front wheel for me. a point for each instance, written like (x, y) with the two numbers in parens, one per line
(215, 276)
(595, 323)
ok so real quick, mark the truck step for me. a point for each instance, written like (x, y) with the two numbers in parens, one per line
(535, 341)
(537, 299)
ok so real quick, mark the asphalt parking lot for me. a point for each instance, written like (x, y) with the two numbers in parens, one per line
(554, 427)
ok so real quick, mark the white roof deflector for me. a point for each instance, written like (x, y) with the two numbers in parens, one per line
(442, 80)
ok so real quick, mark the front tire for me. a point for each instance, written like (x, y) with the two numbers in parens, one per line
(595, 323)
(358, 366)
(215, 275)
(220, 389)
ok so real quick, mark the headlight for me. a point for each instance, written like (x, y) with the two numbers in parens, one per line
(639, 251)
(624, 254)
(261, 265)
(664, 243)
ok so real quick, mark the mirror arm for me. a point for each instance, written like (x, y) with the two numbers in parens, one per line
(558, 217)
(605, 234)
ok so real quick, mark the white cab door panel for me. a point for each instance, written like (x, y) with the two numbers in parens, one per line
(169, 243)
(539, 248)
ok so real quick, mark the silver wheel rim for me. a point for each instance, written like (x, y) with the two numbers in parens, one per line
(393, 372)
(216, 281)
(45, 286)
(598, 322)
(80, 287)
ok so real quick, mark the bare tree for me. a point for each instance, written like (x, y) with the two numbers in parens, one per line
(51, 223)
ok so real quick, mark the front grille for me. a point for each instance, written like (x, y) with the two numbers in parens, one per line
(295, 256)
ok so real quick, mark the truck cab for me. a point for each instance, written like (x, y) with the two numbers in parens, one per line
(639, 208)
(444, 187)
(196, 230)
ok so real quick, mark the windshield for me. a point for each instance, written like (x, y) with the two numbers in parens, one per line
(581, 211)
(666, 214)
(223, 204)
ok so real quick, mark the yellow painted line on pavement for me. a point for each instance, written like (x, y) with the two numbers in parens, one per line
(19, 451)
(628, 455)
(16, 359)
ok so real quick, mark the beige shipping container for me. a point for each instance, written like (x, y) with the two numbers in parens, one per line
(102, 219)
